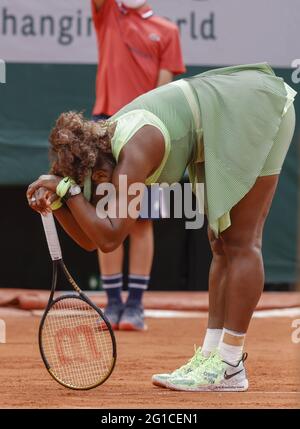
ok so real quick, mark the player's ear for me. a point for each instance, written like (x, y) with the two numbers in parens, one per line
(103, 174)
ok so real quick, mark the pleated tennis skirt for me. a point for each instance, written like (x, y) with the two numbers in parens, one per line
(248, 120)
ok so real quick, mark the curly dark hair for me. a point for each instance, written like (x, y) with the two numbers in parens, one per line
(79, 145)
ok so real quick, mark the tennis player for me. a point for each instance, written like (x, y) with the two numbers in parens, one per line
(232, 127)
(138, 51)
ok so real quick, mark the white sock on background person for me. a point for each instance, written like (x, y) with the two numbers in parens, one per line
(231, 346)
(211, 341)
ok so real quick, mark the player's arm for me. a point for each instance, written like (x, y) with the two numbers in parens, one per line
(72, 228)
(137, 161)
(43, 198)
(164, 77)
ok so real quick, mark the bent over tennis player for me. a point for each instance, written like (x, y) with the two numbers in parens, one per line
(232, 128)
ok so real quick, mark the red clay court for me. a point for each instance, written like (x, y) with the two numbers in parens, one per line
(176, 321)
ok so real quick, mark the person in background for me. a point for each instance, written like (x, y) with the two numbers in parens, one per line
(138, 51)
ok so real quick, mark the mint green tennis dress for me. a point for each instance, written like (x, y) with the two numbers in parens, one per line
(227, 126)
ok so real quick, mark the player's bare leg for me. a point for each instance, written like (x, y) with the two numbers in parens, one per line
(217, 283)
(241, 243)
(217, 290)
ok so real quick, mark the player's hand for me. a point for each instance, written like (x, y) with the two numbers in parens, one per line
(41, 200)
(48, 181)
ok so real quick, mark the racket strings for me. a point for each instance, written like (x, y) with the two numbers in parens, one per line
(77, 343)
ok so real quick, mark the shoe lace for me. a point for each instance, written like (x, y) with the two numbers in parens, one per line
(195, 360)
(211, 364)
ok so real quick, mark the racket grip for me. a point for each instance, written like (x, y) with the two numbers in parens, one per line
(52, 236)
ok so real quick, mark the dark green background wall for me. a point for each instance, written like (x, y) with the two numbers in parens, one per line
(35, 94)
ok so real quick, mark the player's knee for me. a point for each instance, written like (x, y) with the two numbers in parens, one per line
(216, 244)
(217, 247)
(241, 244)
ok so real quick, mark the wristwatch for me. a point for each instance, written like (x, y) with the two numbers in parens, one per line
(73, 190)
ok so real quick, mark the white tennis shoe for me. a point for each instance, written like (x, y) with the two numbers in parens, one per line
(213, 375)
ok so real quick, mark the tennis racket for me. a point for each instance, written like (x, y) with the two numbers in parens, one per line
(76, 341)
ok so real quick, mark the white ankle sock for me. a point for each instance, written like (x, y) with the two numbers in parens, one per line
(211, 341)
(231, 353)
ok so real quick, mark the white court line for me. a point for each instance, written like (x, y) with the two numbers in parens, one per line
(279, 312)
(268, 393)
(175, 314)
(168, 314)
(249, 392)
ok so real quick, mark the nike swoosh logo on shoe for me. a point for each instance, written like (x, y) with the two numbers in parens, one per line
(229, 376)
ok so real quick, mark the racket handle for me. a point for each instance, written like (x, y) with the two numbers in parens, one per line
(52, 236)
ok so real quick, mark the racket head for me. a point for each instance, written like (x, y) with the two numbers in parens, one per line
(77, 343)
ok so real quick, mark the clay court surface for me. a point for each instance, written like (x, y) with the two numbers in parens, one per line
(273, 366)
